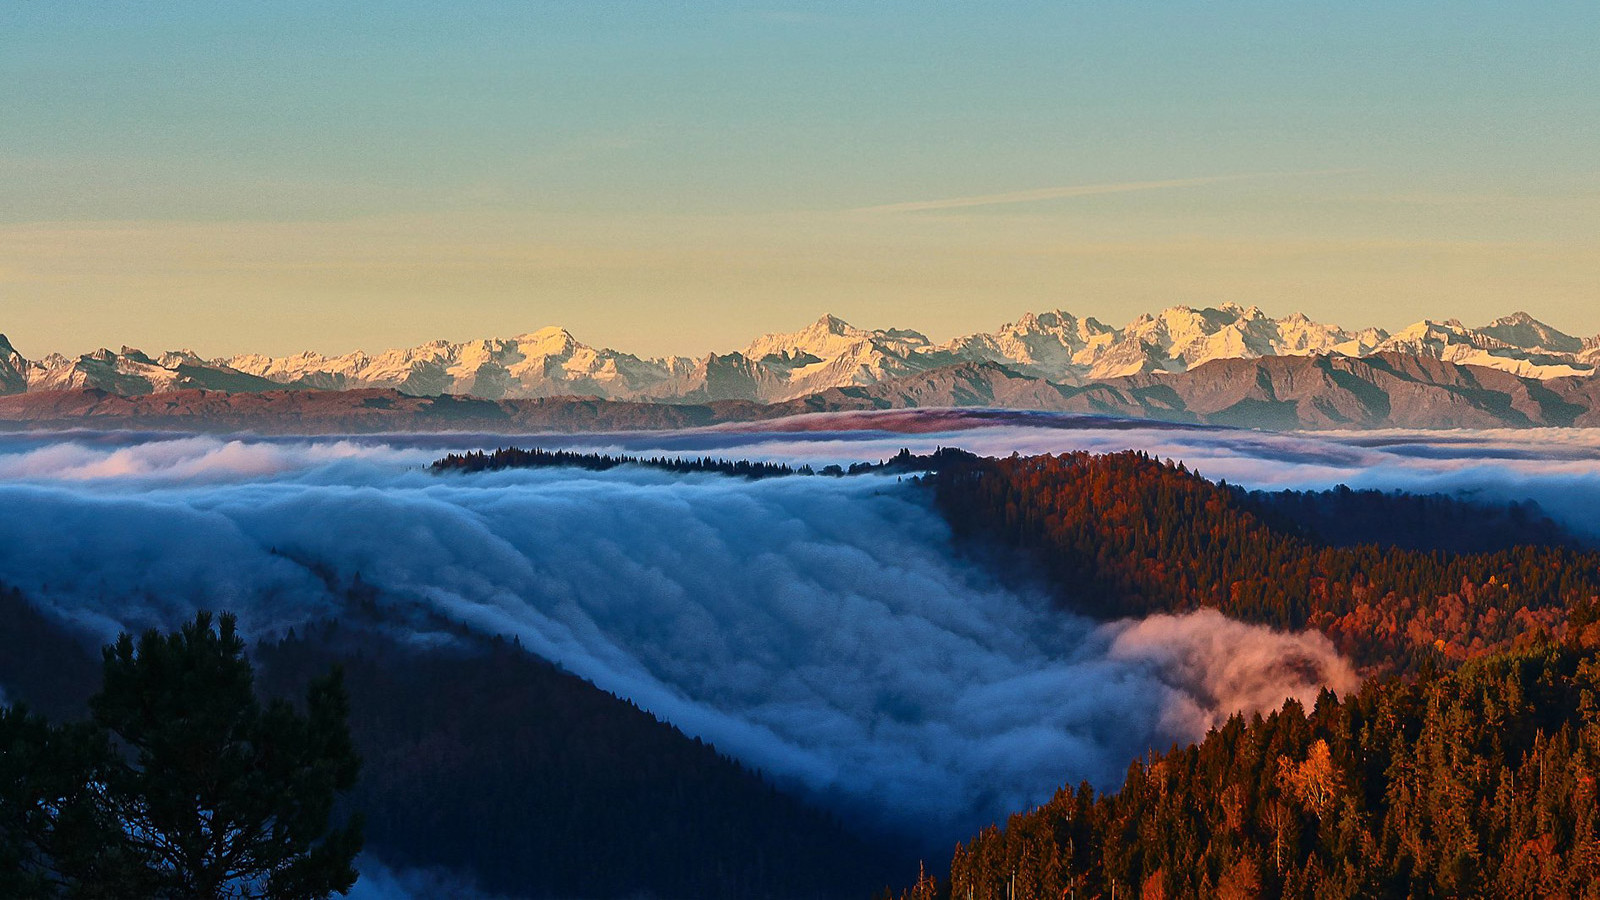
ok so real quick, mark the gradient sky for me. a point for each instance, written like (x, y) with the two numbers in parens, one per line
(677, 177)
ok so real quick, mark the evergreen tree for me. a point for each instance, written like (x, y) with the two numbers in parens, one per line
(183, 785)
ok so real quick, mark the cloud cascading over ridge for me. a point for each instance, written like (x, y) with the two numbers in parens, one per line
(821, 629)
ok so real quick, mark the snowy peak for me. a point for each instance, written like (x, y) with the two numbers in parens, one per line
(1524, 332)
(544, 363)
(551, 340)
(1054, 345)
(831, 352)
(130, 371)
(830, 337)
(1512, 344)
(1181, 337)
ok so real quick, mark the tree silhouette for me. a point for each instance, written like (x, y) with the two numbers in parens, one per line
(182, 785)
(53, 838)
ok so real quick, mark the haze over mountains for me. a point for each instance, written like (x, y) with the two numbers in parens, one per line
(1056, 347)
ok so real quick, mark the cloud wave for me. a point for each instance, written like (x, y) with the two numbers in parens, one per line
(821, 629)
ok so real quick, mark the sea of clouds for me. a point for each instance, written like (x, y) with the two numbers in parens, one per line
(821, 629)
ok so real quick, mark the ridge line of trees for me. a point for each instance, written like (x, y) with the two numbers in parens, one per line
(904, 462)
(1124, 534)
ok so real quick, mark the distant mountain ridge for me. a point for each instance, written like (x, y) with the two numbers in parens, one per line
(1386, 390)
(1056, 347)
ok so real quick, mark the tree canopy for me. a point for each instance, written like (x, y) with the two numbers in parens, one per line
(182, 784)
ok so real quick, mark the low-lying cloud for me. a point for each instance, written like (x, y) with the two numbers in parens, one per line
(818, 628)
(1558, 467)
(821, 629)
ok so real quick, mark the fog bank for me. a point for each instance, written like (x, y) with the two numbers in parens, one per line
(820, 629)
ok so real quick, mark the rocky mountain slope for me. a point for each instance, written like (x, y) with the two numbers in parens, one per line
(830, 353)
(1386, 390)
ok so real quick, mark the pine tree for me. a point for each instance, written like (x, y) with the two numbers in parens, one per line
(221, 795)
(183, 785)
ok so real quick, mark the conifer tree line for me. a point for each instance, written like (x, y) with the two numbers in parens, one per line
(536, 458)
(903, 462)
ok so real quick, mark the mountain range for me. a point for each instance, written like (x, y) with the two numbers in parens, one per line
(1054, 347)
(1387, 390)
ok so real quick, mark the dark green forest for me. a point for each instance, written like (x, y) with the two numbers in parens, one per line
(904, 462)
(482, 758)
(536, 458)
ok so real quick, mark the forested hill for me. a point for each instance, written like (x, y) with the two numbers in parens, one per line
(1347, 518)
(495, 768)
(485, 760)
(1127, 535)
(1465, 766)
(1476, 783)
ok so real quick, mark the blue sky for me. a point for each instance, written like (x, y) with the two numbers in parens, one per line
(674, 177)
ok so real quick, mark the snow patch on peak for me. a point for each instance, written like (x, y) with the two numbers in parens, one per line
(829, 352)
(1525, 332)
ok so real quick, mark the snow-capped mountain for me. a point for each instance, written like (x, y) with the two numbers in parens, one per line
(543, 363)
(1045, 345)
(1180, 337)
(1517, 343)
(1055, 346)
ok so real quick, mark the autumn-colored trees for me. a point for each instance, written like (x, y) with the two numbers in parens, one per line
(1474, 783)
(1125, 534)
(1465, 767)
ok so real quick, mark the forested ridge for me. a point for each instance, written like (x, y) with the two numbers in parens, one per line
(1465, 766)
(1347, 518)
(1479, 782)
(1127, 535)
(537, 458)
(486, 760)
(904, 462)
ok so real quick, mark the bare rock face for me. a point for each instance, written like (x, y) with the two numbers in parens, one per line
(13, 369)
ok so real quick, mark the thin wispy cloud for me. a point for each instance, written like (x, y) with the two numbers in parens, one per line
(1076, 190)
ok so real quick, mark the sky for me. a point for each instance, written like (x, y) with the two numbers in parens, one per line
(678, 177)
